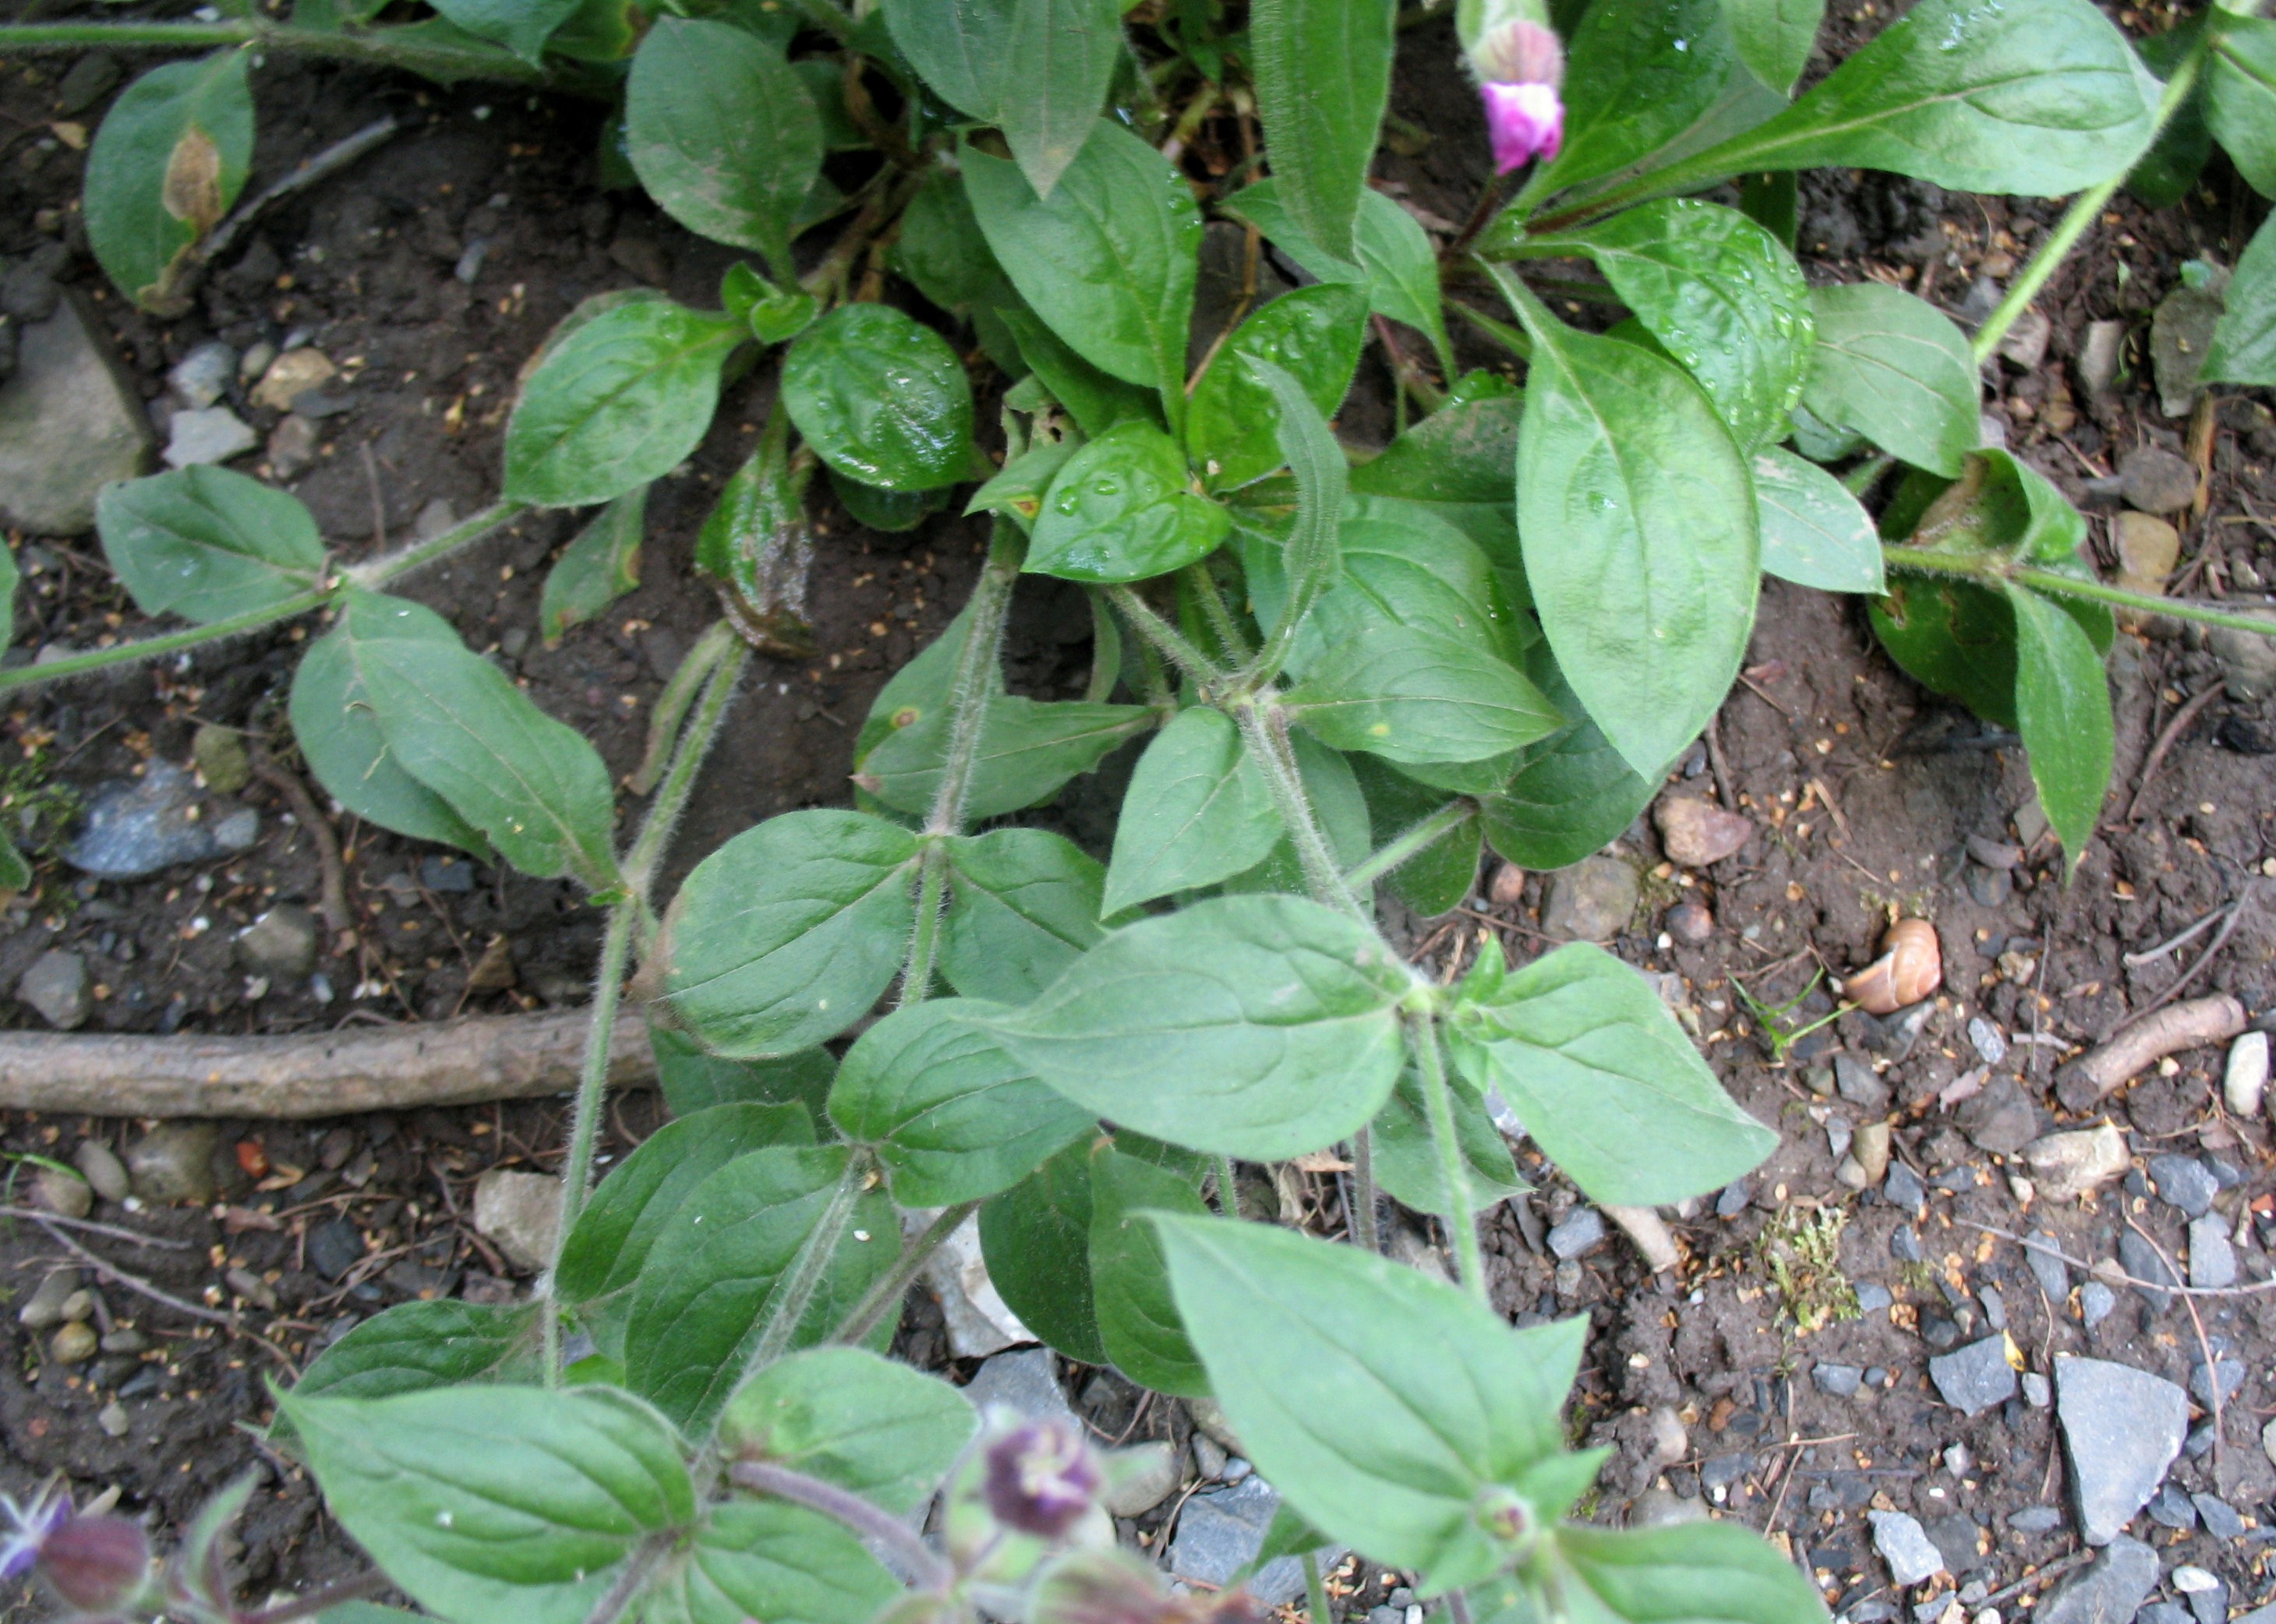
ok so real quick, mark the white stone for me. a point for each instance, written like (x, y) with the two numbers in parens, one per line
(215, 435)
(70, 423)
(980, 1321)
(2245, 1083)
(521, 1211)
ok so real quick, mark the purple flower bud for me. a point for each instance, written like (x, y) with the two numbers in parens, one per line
(1519, 52)
(1525, 121)
(96, 1564)
(1041, 1478)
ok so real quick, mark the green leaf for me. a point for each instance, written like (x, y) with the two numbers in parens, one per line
(1028, 748)
(1108, 260)
(1130, 1281)
(2244, 340)
(890, 510)
(1953, 637)
(1197, 811)
(416, 1346)
(1334, 790)
(2036, 97)
(1396, 264)
(596, 569)
(1095, 400)
(1323, 74)
(494, 1502)
(338, 731)
(951, 1116)
(769, 1559)
(2062, 709)
(1724, 298)
(756, 549)
(1694, 1572)
(168, 160)
(2003, 506)
(1606, 1082)
(1018, 489)
(1023, 904)
(16, 875)
(1438, 879)
(1774, 37)
(2240, 96)
(1383, 1406)
(774, 315)
(722, 134)
(700, 1302)
(1258, 1026)
(1640, 535)
(881, 398)
(1407, 1157)
(941, 249)
(786, 935)
(1123, 509)
(537, 790)
(1459, 454)
(204, 543)
(522, 26)
(1895, 368)
(1038, 68)
(1036, 1239)
(1814, 532)
(1314, 334)
(852, 1418)
(618, 402)
(692, 1080)
(1641, 74)
(1571, 794)
(641, 1198)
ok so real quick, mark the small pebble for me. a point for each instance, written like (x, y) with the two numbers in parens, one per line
(79, 1305)
(2185, 1182)
(2038, 1392)
(1838, 1380)
(2220, 1518)
(2095, 1301)
(103, 1169)
(1583, 1232)
(1872, 1297)
(2244, 1084)
(113, 1420)
(44, 1308)
(74, 1344)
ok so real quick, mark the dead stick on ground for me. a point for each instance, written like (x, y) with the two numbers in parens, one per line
(333, 158)
(91, 1227)
(315, 1075)
(2111, 1272)
(2144, 1041)
(340, 918)
(2173, 732)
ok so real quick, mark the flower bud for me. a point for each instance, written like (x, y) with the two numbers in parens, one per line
(1041, 1478)
(1519, 51)
(1507, 1518)
(1526, 121)
(96, 1564)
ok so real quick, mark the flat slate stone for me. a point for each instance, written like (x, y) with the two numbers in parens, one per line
(1027, 1382)
(1975, 1378)
(2053, 1274)
(1906, 1547)
(2122, 1430)
(2142, 1260)
(2185, 1182)
(2110, 1589)
(70, 423)
(1220, 1532)
(2212, 1259)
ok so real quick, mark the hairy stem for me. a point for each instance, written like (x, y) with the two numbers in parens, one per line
(1438, 1103)
(880, 1298)
(169, 642)
(795, 1295)
(1365, 1230)
(632, 1581)
(917, 1560)
(695, 742)
(1989, 569)
(673, 703)
(972, 686)
(1228, 1187)
(376, 572)
(924, 936)
(1230, 640)
(1263, 729)
(361, 1588)
(1162, 635)
(2056, 245)
(585, 1119)
(377, 45)
(1412, 843)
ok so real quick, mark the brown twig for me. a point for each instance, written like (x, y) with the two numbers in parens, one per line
(1725, 787)
(340, 918)
(94, 1228)
(2111, 1271)
(2145, 1040)
(2173, 730)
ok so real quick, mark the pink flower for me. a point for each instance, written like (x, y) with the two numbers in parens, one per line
(1525, 120)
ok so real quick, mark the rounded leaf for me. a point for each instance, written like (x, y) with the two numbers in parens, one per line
(881, 398)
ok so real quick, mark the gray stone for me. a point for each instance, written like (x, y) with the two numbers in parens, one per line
(449, 876)
(2223, 1377)
(1733, 1199)
(202, 376)
(2163, 1613)
(2155, 480)
(1958, 1537)
(1696, 834)
(2110, 1589)
(1719, 1473)
(103, 1169)
(2213, 1260)
(2000, 1119)
(2049, 1270)
(1840, 1381)
(1903, 1188)
(2038, 1392)
(2035, 1519)
(2095, 1301)
(1221, 1531)
(1906, 1547)
(1995, 1307)
(1027, 1382)
(2170, 1508)
(2145, 1261)
(2099, 354)
(173, 1161)
(70, 422)
(236, 832)
(1872, 1297)
(215, 435)
(1656, 1508)
(1904, 1246)
(2180, 332)
(2025, 346)
(335, 1247)
(1591, 901)
(2220, 1518)
(979, 1321)
(1975, 1378)
(1991, 887)
(221, 758)
(291, 446)
(44, 1308)
(1858, 1083)
(2185, 1182)
(281, 945)
(56, 985)
(521, 1211)
(2067, 1166)
(1894, 1037)
(1871, 1149)
(1139, 1478)
(2247, 659)
(64, 1193)
(2122, 1430)
(1990, 1043)
(1582, 1232)
(139, 826)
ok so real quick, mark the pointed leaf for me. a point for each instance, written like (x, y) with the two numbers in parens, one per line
(205, 542)
(2241, 94)
(416, 1346)
(852, 1418)
(598, 568)
(1322, 71)
(769, 1559)
(1774, 37)
(1137, 1321)
(170, 158)
(2062, 709)
(1036, 1239)
(881, 398)
(1895, 368)
(1814, 532)
(1196, 812)
(1058, 63)
(1698, 1573)
(522, 26)
(1123, 509)
(2244, 342)
(1023, 905)
(1314, 334)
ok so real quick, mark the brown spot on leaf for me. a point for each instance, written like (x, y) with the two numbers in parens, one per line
(191, 193)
